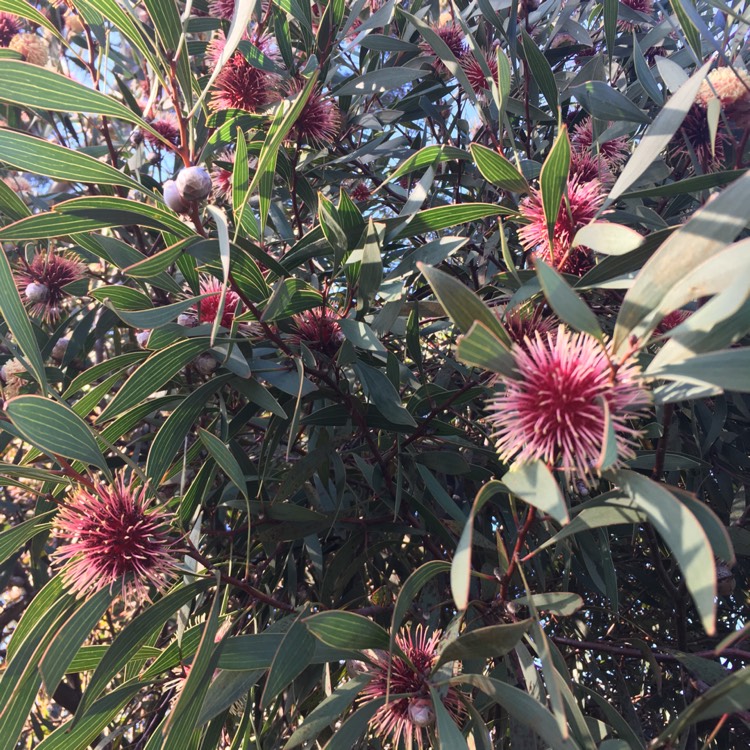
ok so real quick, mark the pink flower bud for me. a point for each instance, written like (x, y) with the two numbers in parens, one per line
(36, 293)
(421, 712)
(173, 198)
(188, 320)
(142, 338)
(59, 349)
(205, 364)
(194, 183)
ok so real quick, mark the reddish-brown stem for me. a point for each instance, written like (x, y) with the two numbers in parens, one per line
(514, 559)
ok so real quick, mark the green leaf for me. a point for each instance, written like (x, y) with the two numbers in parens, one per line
(729, 369)
(182, 718)
(154, 317)
(561, 603)
(32, 86)
(688, 28)
(349, 733)
(489, 642)
(688, 185)
(495, 168)
(703, 236)
(383, 395)
(328, 712)
(603, 102)
(482, 348)
(425, 157)
(378, 81)
(441, 217)
(523, 708)
(154, 264)
(158, 369)
(171, 435)
(15, 317)
(11, 205)
(448, 733)
(133, 636)
(684, 535)
(107, 211)
(223, 456)
(607, 238)
(12, 539)
(462, 305)
(226, 689)
(97, 718)
(726, 697)
(541, 71)
(55, 429)
(644, 74)
(659, 133)
(371, 270)
(564, 301)
(553, 179)
(71, 636)
(461, 565)
(35, 155)
(347, 630)
(535, 484)
(294, 655)
(412, 586)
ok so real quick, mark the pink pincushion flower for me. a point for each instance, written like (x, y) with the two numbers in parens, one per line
(360, 192)
(583, 201)
(525, 321)
(239, 85)
(10, 25)
(646, 7)
(732, 88)
(670, 321)
(222, 177)
(166, 127)
(407, 718)
(554, 410)
(42, 282)
(615, 151)
(221, 8)
(318, 329)
(208, 307)
(319, 122)
(455, 39)
(694, 135)
(586, 167)
(112, 533)
(475, 73)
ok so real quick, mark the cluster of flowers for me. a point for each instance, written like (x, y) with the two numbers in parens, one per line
(32, 47)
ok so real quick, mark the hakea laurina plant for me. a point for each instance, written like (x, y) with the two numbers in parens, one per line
(384, 384)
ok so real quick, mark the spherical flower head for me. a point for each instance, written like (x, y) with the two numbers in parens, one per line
(670, 321)
(319, 122)
(42, 283)
(208, 307)
(646, 7)
(525, 321)
(221, 8)
(694, 135)
(361, 193)
(193, 184)
(475, 73)
(12, 375)
(239, 85)
(110, 533)
(407, 718)
(583, 202)
(615, 151)
(31, 47)
(19, 185)
(586, 167)
(221, 178)
(732, 87)
(554, 410)
(455, 39)
(10, 25)
(318, 329)
(173, 199)
(167, 128)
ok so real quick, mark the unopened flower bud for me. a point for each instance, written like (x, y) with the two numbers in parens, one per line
(36, 293)
(187, 320)
(205, 364)
(59, 349)
(194, 183)
(421, 712)
(173, 198)
(142, 338)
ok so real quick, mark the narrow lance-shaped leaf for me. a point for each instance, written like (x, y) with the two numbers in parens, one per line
(35, 155)
(55, 429)
(553, 180)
